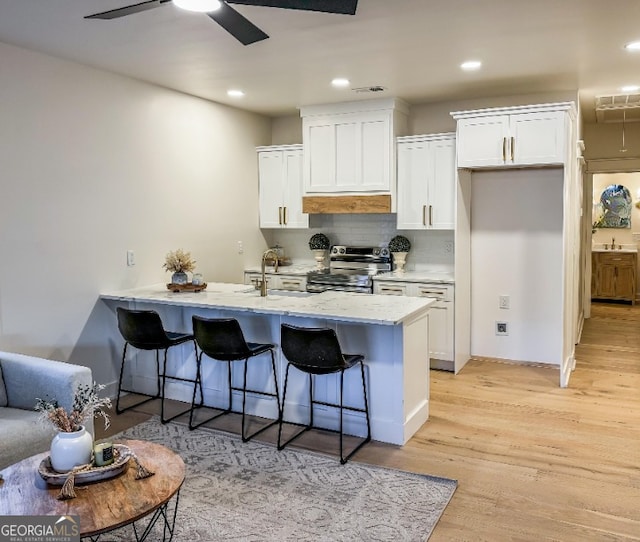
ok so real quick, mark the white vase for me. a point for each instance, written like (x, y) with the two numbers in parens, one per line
(319, 255)
(70, 450)
(399, 259)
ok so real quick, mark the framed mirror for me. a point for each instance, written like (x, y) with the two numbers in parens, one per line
(614, 208)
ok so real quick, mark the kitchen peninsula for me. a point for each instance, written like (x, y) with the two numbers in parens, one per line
(391, 332)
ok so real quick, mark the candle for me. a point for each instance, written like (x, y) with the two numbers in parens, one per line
(103, 454)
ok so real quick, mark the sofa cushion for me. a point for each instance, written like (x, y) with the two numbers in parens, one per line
(22, 435)
(3, 391)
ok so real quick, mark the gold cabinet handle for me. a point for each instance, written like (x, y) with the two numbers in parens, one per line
(432, 292)
(424, 215)
(504, 149)
(392, 291)
(284, 214)
(280, 215)
(430, 215)
(513, 147)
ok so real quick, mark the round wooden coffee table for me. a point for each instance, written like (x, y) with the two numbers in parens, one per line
(105, 505)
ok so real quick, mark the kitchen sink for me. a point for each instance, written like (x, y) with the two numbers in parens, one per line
(276, 293)
(289, 293)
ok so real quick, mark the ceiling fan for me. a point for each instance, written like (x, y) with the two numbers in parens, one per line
(233, 22)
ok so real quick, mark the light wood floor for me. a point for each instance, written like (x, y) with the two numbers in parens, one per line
(533, 462)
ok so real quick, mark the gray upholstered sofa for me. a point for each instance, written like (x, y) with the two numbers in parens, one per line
(22, 380)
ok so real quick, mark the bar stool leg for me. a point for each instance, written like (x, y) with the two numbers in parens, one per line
(148, 397)
(310, 402)
(244, 398)
(366, 401)
(342, 459)
(275, 381)
(195, 387)
(284, 397)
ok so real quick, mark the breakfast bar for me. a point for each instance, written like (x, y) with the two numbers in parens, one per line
(391, 332)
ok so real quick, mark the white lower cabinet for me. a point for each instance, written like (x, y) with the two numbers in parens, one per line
(441, 320)
(279, 281)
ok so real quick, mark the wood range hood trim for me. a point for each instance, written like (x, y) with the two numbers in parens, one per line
(354, 204)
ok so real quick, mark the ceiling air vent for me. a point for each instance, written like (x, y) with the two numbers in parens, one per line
(375, 88)
(618, 108)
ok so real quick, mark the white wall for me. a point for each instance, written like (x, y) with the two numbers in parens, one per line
(94, 164)
(431, 250)
(516, 250)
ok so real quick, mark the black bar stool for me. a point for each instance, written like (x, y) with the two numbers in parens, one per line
(143, 329)
(222, 339)
(316, 351)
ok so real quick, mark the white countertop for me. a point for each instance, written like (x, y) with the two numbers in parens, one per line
(445, 277)
(330, 305)
(623, 249)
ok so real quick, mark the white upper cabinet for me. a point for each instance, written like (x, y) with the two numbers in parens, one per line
(280, 174)
(349, 147)
(426, 182)
(515, 136)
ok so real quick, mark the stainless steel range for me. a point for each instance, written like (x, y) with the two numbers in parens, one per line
(350, 269)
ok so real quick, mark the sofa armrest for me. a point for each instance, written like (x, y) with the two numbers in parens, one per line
(27, 378)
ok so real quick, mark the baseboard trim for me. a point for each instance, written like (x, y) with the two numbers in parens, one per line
(504, 361)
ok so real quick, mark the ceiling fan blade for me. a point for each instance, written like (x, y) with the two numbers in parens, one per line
(345, 7)
(128, 10)
(238, 26)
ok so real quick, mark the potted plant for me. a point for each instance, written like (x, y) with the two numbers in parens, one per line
(73, 444)
(399, 246)
(179, 263)
(319, 244)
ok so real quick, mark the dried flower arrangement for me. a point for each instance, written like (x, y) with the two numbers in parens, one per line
(86, 405)
(399, 244)
(319, 241)
(179, 261)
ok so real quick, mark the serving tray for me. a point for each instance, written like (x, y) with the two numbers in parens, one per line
(189, 287)
(121, 454)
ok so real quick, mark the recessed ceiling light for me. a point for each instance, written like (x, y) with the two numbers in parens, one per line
(198, 5)
(471, 65)
(234, 93)
(340, 82)
(633, 46)
(630, 88)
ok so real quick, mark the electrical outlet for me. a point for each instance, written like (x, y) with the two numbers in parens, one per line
(240, 247)
(502, 328)
(448, 247)
(130, 258)
(504, 301)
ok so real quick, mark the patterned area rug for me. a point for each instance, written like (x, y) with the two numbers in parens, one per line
(237, 491)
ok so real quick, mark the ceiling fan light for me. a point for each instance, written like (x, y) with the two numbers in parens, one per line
(340, 82)
(471, 65)
(203, 6)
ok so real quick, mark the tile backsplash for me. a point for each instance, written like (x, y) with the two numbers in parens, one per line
(431, 250)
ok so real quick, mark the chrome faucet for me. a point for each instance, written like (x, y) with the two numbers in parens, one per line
(263, 282)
